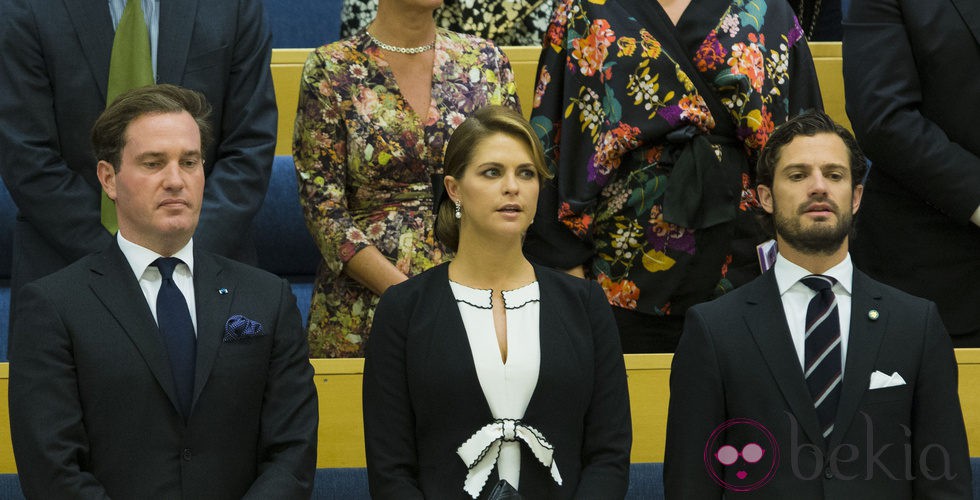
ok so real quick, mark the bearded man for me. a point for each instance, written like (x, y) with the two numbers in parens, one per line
(814, 381)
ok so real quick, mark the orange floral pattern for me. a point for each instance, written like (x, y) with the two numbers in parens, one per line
(612, 146)
(578, 224)
(622, 293)
(695, 111)
(746, 59)
(591, 51)
(710, 54)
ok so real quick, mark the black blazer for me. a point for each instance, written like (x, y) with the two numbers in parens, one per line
(912, 98)
(422, 397)
(736, 360)
(93, 409)
(54, 74)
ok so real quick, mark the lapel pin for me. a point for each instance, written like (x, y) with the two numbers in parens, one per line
(224, 291)
(873, 315)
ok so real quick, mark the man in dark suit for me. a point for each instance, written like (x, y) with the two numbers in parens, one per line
(814, 381)
(912, 98)
(54, 74)
(155, 369)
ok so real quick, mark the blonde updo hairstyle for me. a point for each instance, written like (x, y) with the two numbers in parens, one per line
(482, 124)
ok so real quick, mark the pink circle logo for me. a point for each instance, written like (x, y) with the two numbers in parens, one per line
(746, 453)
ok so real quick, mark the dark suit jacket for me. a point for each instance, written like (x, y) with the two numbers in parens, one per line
(422, 397)
(93, 410)
(912, 98)
(736, 360)
(54, 73)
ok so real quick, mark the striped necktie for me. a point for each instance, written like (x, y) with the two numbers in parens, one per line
(130, 66)
(822, 351)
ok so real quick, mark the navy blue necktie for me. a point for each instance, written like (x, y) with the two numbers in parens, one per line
(174, 320)
(822, 351)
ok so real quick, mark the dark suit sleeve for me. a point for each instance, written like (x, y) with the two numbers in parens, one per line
(57, 201)
(389, 421)
(608, 432)
(238, 180)
(697, 402)
(288, 439)
(939, 442)
(46, 426)
(885, 105)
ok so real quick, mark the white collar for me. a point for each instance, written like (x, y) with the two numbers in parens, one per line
(481, 299)
(140, 258)
(788, 273)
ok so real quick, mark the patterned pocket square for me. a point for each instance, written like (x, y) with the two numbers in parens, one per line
(239, 327)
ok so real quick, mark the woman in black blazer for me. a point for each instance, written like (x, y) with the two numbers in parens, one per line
(489, 372)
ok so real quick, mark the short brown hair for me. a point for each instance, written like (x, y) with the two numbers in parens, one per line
(483, 123)
(809, 123)
(109, 131)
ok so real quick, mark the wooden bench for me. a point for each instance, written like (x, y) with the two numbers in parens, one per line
(341, 435)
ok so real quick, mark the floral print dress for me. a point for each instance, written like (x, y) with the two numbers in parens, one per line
(364, 160)
(610, 100)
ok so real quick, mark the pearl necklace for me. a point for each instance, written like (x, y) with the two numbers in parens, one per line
(402, 50)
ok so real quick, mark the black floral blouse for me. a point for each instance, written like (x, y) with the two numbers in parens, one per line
(616, 109)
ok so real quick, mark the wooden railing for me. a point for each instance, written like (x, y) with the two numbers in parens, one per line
(341, 435)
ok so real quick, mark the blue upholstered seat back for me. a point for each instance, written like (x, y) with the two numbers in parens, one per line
(8, 214)
(282, 241)
(303, 23)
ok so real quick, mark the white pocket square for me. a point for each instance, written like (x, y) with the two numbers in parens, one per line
(880, 381)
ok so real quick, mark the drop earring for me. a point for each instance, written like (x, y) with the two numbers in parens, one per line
(459, 210)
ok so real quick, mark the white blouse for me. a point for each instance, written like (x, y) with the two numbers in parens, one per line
(506, 386)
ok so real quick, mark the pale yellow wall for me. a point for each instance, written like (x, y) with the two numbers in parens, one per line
(341, 441)
(287, 66)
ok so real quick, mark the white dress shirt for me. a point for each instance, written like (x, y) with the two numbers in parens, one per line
(506, 386)
(140, 260)
(796, 298)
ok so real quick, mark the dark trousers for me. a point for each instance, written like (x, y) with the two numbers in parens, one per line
(646, 333)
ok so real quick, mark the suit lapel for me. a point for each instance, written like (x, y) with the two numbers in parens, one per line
(551, 336)
(863, 342)
(970, 12)
(213, 310)
(766, 320)
(113, 283)
(93, 27)
(175, 38)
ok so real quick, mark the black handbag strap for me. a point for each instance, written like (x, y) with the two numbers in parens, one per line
(651, 14)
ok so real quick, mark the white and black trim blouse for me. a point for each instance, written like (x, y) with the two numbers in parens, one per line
(506, 386)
